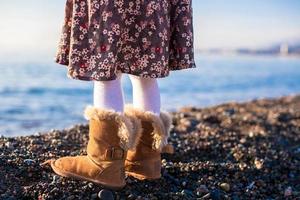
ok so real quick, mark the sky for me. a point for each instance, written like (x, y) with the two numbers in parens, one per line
(33, 26)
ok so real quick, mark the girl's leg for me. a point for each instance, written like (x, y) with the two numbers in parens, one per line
(144, 162)
(109, 94)
(111, 134)
(146, 95)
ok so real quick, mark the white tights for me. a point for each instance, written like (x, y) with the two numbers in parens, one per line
(109, 94)
(146, 95)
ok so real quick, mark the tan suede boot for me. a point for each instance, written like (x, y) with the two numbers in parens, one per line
(111, 134)
(145, 161)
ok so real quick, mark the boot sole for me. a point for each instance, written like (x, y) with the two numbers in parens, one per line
(71, 175)
(144, 167)
(142, 177)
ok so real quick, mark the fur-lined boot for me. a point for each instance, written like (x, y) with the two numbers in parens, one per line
(111, 135)
(145, 161)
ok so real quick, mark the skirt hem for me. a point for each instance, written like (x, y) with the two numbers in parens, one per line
(85, 78)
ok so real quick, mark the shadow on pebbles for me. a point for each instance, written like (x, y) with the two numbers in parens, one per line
(232, 151)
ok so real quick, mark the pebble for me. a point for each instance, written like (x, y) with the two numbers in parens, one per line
(187, 193)
(215, 194)
(54, 179)
(94, 196)
(202, 189)
(90, 185)
(29, 161)
(258, 163)
(234, 197)
(251, 185)
(229, 111)
(172, 179)
(9, 145)
(105, 195)
(225, 187)
(288, 192)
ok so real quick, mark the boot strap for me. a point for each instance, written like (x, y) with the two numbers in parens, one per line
(114, 153)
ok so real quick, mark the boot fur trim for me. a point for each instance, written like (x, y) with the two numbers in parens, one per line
(161, 124)
(137, 130)
(127, 126)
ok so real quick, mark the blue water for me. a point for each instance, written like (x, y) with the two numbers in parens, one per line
(37, 97)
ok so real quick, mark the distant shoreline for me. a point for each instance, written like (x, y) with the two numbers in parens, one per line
(233, 53)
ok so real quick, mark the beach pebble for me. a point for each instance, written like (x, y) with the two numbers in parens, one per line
(105, 195)
(258, 163)
(225, 186)
(29, 161)
(94, 196)
(288, 192)
(202, 189)
(234, 197)
(284, 117)
(9, 145)
(72, 197)
(250, 186)
(215, 194)
(187, 193)
(90, 185)
(55, 179)
(229, 111)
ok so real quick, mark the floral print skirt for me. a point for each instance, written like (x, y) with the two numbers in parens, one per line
(147, 38)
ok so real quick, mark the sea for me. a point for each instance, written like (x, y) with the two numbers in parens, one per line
(37, 97)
